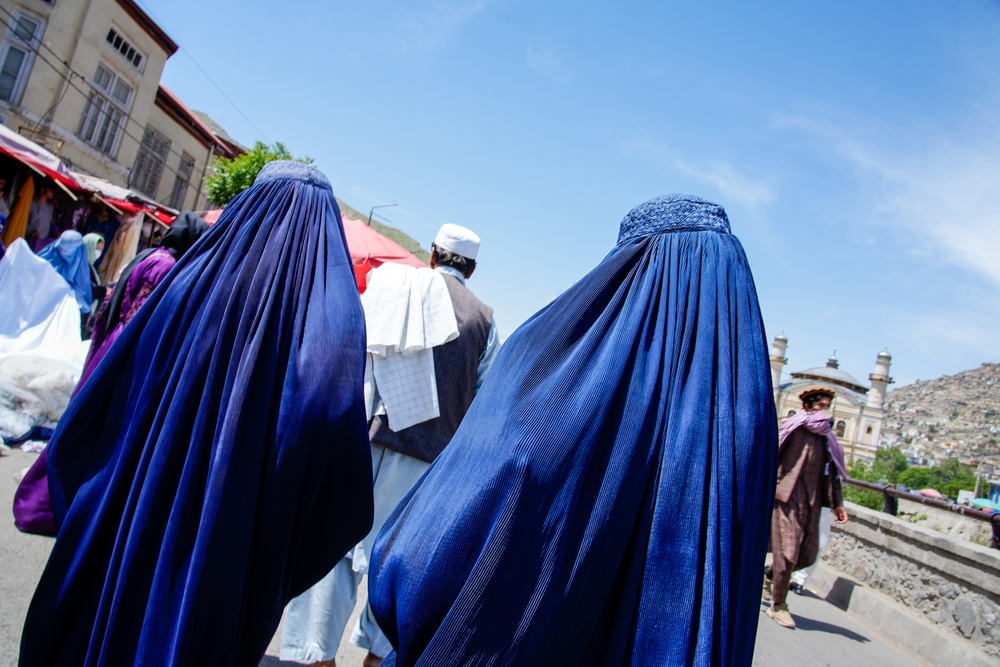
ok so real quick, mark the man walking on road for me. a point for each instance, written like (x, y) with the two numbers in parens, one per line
(430, 343)
(809, 477)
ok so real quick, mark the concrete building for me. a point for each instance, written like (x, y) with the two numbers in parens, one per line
(858, 411)
(83, 79)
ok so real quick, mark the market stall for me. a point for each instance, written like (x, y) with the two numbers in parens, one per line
(369, 250)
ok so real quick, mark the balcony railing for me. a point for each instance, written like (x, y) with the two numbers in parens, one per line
(893, 495)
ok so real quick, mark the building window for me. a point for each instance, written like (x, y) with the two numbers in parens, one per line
(17, 54)
(184, 171)
(791, 413)
(841, 429)
(122, 46)
(149, 162)
(868, 431)
(107, 110)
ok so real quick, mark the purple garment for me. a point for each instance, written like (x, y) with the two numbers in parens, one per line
(818, 422)
(147, 274)
(41, 244)
(32, 503)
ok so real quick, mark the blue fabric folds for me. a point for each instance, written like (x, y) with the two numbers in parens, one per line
(216, 464)
(69, 258)
(606, 500)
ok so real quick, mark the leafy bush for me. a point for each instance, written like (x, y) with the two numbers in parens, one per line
(873, 500)
(915, 478)
(232, 177)
(890, 462)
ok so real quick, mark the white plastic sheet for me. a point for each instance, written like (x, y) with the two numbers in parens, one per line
(41, 354)
(38, 313)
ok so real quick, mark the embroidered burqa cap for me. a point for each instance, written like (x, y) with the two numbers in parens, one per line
(458, 239)
(606, 500)
(216, 463)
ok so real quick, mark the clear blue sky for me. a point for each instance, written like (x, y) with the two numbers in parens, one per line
(855, 146)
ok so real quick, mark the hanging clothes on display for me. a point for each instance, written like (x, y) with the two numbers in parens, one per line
(17, 223)
(122, 248)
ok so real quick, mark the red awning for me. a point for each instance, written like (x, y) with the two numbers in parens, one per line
(124, 205)
(138, 207)
(369, 249)
(42, 161)
(162, 216)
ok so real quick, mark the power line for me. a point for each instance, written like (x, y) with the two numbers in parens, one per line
(69, 79)
(127, 114)
(101, 113)
(210, 79)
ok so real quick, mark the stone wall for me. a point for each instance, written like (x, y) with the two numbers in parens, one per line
(952, 583)
(951, 524)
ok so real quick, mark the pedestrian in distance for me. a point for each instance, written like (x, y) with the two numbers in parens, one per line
(3, 226)
(4, 204)
(68, 256)
(811, 467)
(40, 218)
(94, 244)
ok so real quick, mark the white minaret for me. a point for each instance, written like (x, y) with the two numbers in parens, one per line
(778, 362)
(880, 380)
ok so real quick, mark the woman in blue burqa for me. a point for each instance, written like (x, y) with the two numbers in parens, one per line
(606, 500)
(216, 464)
(68, 256)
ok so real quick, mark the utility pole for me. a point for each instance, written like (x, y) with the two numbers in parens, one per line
(373, 210)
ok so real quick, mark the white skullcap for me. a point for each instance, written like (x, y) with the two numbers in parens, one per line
(458, 240)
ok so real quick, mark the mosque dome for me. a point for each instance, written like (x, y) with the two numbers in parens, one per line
(832, 374)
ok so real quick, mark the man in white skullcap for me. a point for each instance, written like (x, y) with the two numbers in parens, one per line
(430, 342)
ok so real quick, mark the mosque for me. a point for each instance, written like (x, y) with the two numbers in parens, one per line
(857, 410)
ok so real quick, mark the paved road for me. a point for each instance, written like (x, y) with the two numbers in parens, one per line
(22, 559)
(826, 636)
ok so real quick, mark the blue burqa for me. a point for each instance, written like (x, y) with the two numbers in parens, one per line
(68, 256)
(606, 500)
(216, 464)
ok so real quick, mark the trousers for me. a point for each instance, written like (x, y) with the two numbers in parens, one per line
(315, 621)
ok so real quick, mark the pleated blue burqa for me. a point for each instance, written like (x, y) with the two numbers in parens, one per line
(606, 500)
(216, 464)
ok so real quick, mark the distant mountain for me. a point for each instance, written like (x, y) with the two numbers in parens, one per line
(955, 416)
(387, 231)
(218, 130)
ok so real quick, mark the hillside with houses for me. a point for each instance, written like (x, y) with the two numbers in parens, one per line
(955, 416)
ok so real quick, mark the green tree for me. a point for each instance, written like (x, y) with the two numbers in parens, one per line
(889, 463)
(915, 478)
(943, 473)
(964, 480)
(233, 176)
(864, 497)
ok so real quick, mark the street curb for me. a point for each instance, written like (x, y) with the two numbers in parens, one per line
(915, 634)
